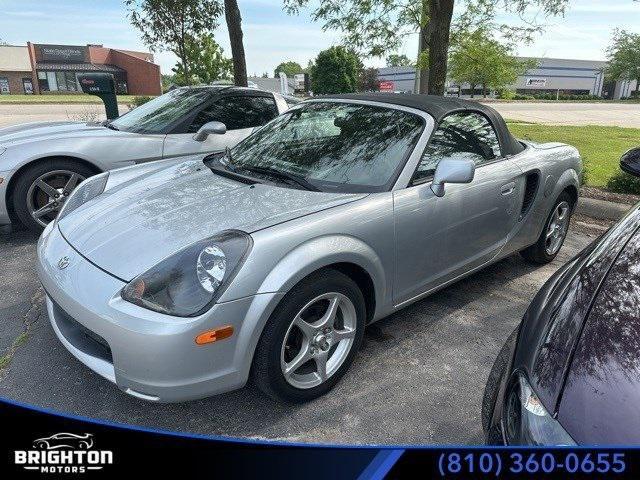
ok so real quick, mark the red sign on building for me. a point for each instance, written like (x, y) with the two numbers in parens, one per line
(387, 86)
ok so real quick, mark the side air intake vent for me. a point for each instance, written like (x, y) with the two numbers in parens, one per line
(530, 190)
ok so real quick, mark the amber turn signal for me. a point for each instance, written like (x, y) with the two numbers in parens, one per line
(214, 335)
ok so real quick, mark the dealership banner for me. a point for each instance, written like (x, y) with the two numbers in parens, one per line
(38, 442)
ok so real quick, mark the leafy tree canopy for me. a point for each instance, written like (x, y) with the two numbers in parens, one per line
(395, 60)
(374, 27)
(479, 60)
(368, 80)
(289, 68)
(168, 24)
(623, 55)
(207, 61)
(335, 70)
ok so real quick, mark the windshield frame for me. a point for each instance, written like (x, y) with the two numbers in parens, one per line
(418, 144)
(178, 122)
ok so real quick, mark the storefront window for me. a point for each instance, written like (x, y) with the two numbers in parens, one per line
(4, 85)
(58, 81)
(53, 83)
(43, 85)
(66, 81)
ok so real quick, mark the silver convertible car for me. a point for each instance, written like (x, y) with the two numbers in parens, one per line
(41, 163)
(185, 278)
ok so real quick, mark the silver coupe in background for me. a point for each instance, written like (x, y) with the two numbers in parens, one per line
(185, 278)
(41, 163)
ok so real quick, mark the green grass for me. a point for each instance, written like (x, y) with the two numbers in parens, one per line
(57, 99)
(600, 147)
(5, 360)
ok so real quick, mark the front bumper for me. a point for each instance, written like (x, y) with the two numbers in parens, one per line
(146, 354)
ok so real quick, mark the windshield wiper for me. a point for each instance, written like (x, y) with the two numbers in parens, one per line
(111, 126)
(289, 177)
(229, 163)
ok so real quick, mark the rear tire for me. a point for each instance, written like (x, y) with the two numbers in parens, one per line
(283, 341)
(553, 234)
(27, 197)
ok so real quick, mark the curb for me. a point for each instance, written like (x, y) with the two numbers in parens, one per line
(601, 209)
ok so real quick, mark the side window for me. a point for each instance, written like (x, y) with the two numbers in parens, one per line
(459, 135)
(237, 112)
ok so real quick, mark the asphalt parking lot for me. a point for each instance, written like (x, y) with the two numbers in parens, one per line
(419, 377)
(618, 114)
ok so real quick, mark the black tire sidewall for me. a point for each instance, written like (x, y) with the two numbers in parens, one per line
(496, 374)
(267, 371)
(28, 176)
(537, 253)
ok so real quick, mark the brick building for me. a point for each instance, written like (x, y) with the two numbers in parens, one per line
(50, 69)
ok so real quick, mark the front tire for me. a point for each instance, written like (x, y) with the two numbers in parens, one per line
(41, 190)
(554, 233)
(311, 338)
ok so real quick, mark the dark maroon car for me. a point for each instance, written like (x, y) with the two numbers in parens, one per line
(570, 373)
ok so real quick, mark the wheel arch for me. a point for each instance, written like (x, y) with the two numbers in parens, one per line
(346, 254)
(37, 161)
(572, 190)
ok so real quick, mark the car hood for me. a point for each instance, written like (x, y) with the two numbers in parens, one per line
(600, 400)
(137, 223)
(42, 131)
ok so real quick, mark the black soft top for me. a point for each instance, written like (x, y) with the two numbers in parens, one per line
(440, 107)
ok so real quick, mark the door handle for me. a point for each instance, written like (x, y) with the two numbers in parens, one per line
(508, 188)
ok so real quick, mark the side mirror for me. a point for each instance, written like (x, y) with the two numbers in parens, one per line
(210, 128)
(630, 162)
(452, 171)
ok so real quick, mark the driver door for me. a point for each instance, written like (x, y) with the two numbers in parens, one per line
(440, 238)
(240, 113)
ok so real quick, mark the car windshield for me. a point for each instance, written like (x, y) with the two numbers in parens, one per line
(159, 114)
(334, 146)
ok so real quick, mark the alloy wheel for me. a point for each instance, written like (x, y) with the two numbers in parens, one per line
(557, 228)
(48, 193)
(318, 340)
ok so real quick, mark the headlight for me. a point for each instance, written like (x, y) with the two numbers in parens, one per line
(87, 190)
(187, 283)
(526, 421)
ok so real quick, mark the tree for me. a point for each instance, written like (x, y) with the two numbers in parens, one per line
(207, 62)
(168, 24)
(373, 27)
(368, 80)
(335, 70)
(623, 55)
(479, 60)
(234, 25)
(395, 60)
(289, 68)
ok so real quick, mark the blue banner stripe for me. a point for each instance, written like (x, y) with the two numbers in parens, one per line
(381, 464)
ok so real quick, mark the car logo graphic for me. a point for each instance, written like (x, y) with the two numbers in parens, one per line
(64, 440)
(63, 263)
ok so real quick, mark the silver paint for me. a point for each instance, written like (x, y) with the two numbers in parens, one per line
(408, 241)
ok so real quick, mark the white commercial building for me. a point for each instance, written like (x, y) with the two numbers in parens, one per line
(551, 75)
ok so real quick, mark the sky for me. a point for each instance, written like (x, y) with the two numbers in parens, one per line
(272, 36)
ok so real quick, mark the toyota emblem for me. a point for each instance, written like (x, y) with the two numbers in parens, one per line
(63, 263)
